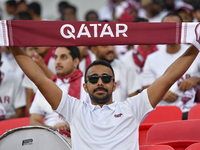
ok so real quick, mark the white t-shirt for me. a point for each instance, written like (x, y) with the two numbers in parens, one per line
(2, 112)
(12, 93)
(112, 127)
(158, 18)
(127, 80)
(12, 96)
(129, 61)
(41, 106)
(156, 64)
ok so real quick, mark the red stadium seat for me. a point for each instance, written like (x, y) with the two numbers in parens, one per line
(195, 146)
(13, 123)
(160, 114)
(194, 112)
(177, 134)
(156, 147)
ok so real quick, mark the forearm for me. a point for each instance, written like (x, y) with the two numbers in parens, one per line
(36, 123)
(181, 65)
(158, 88)
(47, 72)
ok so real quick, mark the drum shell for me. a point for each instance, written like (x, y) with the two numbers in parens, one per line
(33, 138)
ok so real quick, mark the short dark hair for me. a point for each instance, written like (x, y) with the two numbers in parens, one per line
(35, 7)
(99, 62)
(63, 4)
(11, 2)
(172, 15)
(74, 51)
(72, 7)
(24, 15)
(90, 12)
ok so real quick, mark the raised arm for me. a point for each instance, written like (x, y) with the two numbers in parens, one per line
(158, 88)
(48, 88)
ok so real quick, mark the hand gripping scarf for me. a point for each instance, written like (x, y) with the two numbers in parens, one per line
(79, 33)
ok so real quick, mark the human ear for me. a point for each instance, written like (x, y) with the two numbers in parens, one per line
(85, 87)
(114, 86)
(93, 49)
(76, 62)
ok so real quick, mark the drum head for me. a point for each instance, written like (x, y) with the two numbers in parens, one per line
(33, 138)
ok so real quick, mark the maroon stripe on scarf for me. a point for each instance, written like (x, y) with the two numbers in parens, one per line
(75, 82)
(49, 55)
(55, 33)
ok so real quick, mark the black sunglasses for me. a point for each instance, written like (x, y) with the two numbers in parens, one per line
(106, 78)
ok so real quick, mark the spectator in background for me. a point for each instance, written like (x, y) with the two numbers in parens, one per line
(61, 7)
(126, 12)
(69, 13)
(2, 109)
(34, 9)
(91, 16)
(153, 10)
(68, 78)
(30, 51)
(12, 95)
(11, 8)
(183, 91)
(86, 57)
(174, 5)
(125, 77)
(186, 14)
(136, 57)
(24, 15)
(196, 12)
(21, 6)
(44, 57)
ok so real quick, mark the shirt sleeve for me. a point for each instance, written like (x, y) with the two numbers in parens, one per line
(68, 107)
(140, 105)
(40, 105)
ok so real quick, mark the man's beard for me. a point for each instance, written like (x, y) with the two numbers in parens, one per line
(103, 58)
(100, 99)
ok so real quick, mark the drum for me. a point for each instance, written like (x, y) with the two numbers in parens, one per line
(33, 138)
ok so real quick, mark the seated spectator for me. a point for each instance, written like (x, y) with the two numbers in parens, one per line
(136, 57)
(2, 110)
(44, 57)
(196, 12)
(24, 15)
(12, 95)
(61, 7)
(185, 14)
(183, 91)
(86, 57)
(69, 13)
(152, 11)
(68, 78)
(34, 9)
(91, 16)
(10, 6)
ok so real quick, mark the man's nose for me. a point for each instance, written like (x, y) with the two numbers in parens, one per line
(99, 82)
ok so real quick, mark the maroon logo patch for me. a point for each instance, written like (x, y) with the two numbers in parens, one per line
(118, 115)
